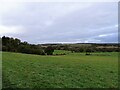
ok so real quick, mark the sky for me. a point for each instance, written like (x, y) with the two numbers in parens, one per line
(60, 22)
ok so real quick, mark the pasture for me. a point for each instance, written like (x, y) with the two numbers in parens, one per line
(74, 70)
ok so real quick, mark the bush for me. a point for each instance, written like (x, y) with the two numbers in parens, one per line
(49, 50)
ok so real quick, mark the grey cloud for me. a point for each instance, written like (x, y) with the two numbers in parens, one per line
(80, 25)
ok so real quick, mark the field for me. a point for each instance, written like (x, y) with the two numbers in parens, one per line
(74, 70)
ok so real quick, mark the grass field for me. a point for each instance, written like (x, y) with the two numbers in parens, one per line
(61, 52)
(75, 70)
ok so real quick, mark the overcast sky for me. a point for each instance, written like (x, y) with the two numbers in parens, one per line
(60, 22)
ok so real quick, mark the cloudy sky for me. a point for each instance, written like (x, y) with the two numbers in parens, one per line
(60, 22)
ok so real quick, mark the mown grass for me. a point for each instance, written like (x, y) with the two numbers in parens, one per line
(74, 70)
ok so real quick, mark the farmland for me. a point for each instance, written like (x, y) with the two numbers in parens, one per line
(73, 70)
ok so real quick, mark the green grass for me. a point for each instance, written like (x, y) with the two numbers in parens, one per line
(75, 70)
(61, 52)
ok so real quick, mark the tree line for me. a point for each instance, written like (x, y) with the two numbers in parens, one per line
(88, 47)
(16, 45)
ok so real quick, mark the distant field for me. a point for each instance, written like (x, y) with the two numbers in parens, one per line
(74, 70)
(61, 52)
